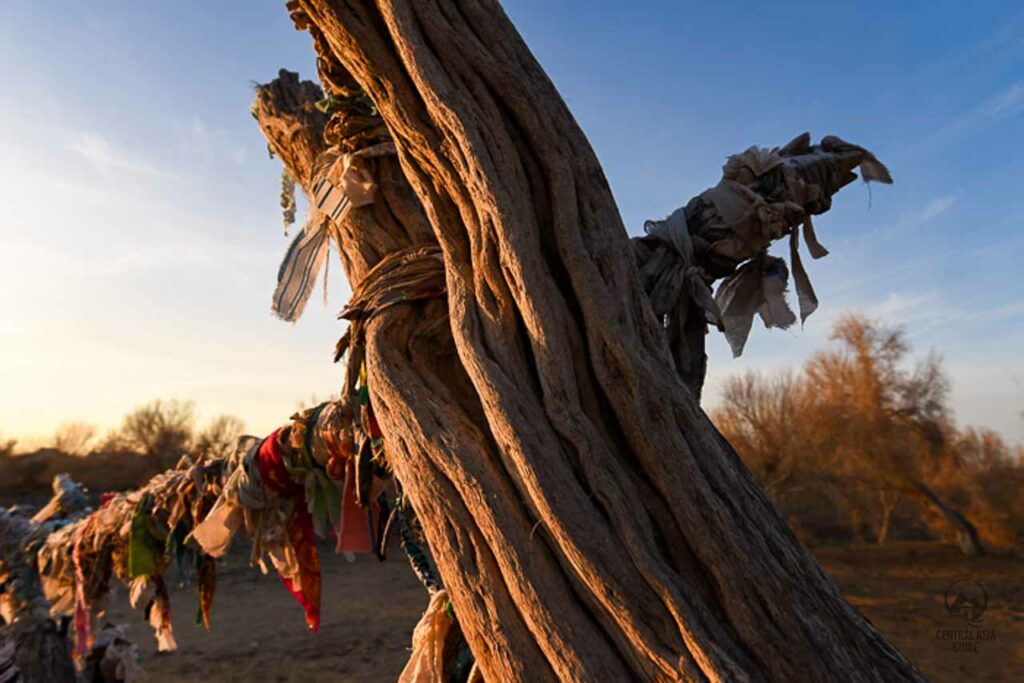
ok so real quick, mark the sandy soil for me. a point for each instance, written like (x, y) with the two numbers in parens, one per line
(370, 608)
(901, 589)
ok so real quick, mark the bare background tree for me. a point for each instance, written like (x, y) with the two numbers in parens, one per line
(873, 430)
(74, 438)
(219, 437)
(160, 430)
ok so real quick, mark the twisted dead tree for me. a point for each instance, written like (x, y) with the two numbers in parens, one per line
(587, 519)
(36, 647)
(39, 651)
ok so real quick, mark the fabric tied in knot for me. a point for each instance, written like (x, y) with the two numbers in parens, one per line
(347, 183)
(673, 281)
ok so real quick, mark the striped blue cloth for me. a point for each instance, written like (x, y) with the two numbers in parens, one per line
(346, 185)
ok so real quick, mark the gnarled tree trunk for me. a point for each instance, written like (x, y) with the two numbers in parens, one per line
(588, 520)
(41, 653)
(966, 534)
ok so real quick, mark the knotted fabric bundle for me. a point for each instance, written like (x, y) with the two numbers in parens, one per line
(673, 281)
(764, 195)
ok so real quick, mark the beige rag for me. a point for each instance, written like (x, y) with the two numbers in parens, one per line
(350, 175)
(345, 182)
(426, 664)
(757, 287)
(215, 532)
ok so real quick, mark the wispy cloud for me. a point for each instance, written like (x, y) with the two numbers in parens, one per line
(995, 109)
(1005, 42)
(104, 157)
(926, 311)
(913, 219)
(899, 306)
(932, 209)
(1002, 104)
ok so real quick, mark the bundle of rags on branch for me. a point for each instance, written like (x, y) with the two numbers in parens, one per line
(725, 232)
(306, 480)
(302, 482)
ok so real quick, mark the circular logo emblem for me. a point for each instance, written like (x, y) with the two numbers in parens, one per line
(967, 599)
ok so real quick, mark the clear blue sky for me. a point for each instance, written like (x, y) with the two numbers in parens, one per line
(138, 209)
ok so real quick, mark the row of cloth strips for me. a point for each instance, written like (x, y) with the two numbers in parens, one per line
(306, 479)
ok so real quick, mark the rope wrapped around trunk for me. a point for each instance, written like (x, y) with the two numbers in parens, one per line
(403, 276)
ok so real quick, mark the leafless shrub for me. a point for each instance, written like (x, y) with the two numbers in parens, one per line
(74, 438)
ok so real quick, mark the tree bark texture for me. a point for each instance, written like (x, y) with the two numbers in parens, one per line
(587, 519)
(41, 653)
(966, 533)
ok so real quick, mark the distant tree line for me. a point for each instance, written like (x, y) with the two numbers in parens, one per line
(860, 445)
(162, 431)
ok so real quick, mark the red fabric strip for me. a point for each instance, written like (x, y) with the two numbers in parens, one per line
(270, 461)
(354, 534)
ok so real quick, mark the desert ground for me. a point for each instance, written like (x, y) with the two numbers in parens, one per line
(370, 608)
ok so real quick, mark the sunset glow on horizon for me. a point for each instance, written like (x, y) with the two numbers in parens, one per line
(141, 234)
